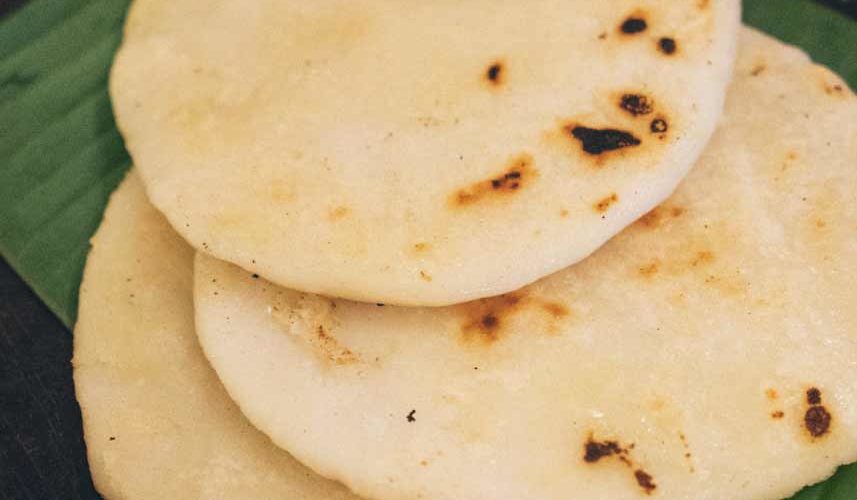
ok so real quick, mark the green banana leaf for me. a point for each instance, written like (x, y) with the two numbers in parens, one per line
(61, 155)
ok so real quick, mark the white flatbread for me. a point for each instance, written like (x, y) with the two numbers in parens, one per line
(706, 352)
(411, 152)
(157, 422)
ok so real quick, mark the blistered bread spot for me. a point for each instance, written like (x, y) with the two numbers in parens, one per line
(817, 418)
(425, 276)
(817, 421)
(758, 69)
(659, 216)
(813, 396)
(636, 104)
(771, 394)
(777, 414)
(597, 141)
(692, 261)
(595, 451)
(659, 126)
(634, 24)
(688, 456)
(702, 258)
(495, 75)
(421, 247)
(486, 321)
(338, 213)
(310, 320)
(554, 309)
(605, 203)
(486, 318)
(332, 349)
(667, 45)
(781, 170)
(649, 269)
(517, 175)
(833, 89)
(703, 4)
(645, 481)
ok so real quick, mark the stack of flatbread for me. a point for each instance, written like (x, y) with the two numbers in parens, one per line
(478, 250)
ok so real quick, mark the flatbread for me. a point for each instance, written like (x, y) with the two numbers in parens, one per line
(706, 352)
(412, 152)
(157, 422)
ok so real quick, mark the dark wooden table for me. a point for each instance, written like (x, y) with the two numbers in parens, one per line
(42, 453)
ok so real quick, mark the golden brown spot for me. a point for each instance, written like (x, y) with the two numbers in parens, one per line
(563, 213)
(332, 349)
(636, 104)
(650, 269)
(485, 320)
(659, 216)
(771, 394)
(659, 126)
(817, 421)
(425, 276)
(833, 89)
(820, 223)
(667, 45)
(606, 202)
(778, 414)
(424, 463)
(495, 74)
(421, 247)
(813, 396)
(338, 213)
(703, 4)
(645, 481)
(787, 164)
(597, 141)
(758, 69)
(517, 175)
(554, 309)
(310, 319)
(594, 143)
(687, 454)
(594, 451)
(485, 317)
(633, 24)
(702, 258)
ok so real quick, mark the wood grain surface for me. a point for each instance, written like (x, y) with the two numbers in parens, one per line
(42, 453)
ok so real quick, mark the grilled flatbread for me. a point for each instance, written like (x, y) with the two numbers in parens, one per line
(706, 352)
(411, 152)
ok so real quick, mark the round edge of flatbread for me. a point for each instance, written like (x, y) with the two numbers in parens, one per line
(157, 421)
(478, 217)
